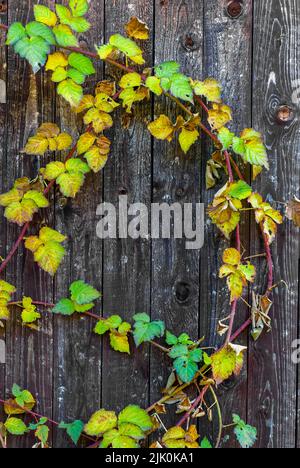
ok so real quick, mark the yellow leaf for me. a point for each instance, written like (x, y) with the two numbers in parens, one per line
(58, 59)
(32, 243)
(95, 159)
(175, 432)
(256, 170)
(129, 96)
(37, 144)
(44, 15)
(48, 130)
(105, 103)
(70, 183)
(137, 29)
(187, 138)
(138, 59)
(130, 80)
(219, 116)
(101, 120)
(153, 83)
(101, 422)
(232, 256)
(87, 102)
(52, 144)
(223, 364)
(235, 286)
(192, 434)
(64, 141)
(119, 342)
(162, 128)
(49, 256)
(47, 234)
(210, 88)
(4, 286)
(103, 144)
(54, 170)
(105, 50)
(12, 196)
(4, 313)
(85, 142)
(21, 212)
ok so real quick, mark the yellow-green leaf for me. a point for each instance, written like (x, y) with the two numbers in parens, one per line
(119, 342)
(130, 80)
(70, 91)
(39, 199)
(54, 170)
(209, 88)
(95, 159)
(153, 83)
(187, 138)
(70, 183)
(10, 197)
(37, 144)
(21, 212)
(44, 15)
(85, 142)
(49, 256)
(15, 426)
(100, 422)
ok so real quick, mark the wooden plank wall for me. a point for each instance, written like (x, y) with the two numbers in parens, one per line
(251, 47)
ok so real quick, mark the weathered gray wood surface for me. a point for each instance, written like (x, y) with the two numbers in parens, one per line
(256, 57)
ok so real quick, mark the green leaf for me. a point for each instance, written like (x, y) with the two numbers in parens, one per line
(116, 440)
(181, 87)
(76, 165)
(240, 190)
(178, 350)
(225, 136)
(167, 69)
(60, 74)
(185, 368)
(15, 426)
(81, 63)
(39, 199)
(101, 327)
(114, 321)
(153, 83)
(100, 422)
(125, 45)
(64, 36)
(70, 91)
(76, 76)
(185, 339)
(79, 7)
(131, 430)
(15, 33)
(133, 414)
(245, 434)
(146, 331)
(171, 339)
(34, 50)
(205, 443)
(84, 307)
(44, 15)
(64, 307)
(142, 317)
(35, 29)
(42, 433)
(74, 429)
(196, 355)
(83, 293)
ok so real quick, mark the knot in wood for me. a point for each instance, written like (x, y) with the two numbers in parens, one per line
(3, 7)
(182, 291)
(190, 41)
(235, 9)
(284, 114)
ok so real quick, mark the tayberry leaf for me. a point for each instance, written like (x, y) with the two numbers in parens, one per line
(245, 434)
(83, 293)
(44, 15)
(145, 330)
(101, 422)
(74, 429)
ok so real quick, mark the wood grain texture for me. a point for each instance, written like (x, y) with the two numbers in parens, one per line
(126, 262)
(226, 40)
(272, 374)
(176, 178)
(70, 369)
(77, 351)
(30, 101)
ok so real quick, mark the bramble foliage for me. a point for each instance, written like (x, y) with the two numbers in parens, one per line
(51, 40)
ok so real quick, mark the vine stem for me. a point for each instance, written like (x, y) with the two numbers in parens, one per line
(196, 403)
(269, 260)
(219, 416)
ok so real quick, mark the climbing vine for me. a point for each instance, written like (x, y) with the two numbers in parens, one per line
(51, 41)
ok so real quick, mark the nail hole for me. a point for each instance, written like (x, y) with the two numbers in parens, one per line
(123, 191)
(234, 9)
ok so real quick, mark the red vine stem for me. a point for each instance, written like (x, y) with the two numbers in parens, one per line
(196, 403)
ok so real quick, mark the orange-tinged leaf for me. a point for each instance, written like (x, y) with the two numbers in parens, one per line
(137, 29)
(48, 130)
(87, 102)
(292, 211)
(107, 87)
(32, 243)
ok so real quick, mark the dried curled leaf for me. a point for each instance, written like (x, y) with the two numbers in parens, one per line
(293, 211)
(266, 216)
(137, 29)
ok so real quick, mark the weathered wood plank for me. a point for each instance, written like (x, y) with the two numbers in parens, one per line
(176, 178)
(3, 109)
(77, 355)
(227, 57)
(272, 374)
(126, 261)
(29, 102)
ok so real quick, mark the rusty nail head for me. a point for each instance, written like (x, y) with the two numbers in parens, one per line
(234, 9)
(284, 114)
